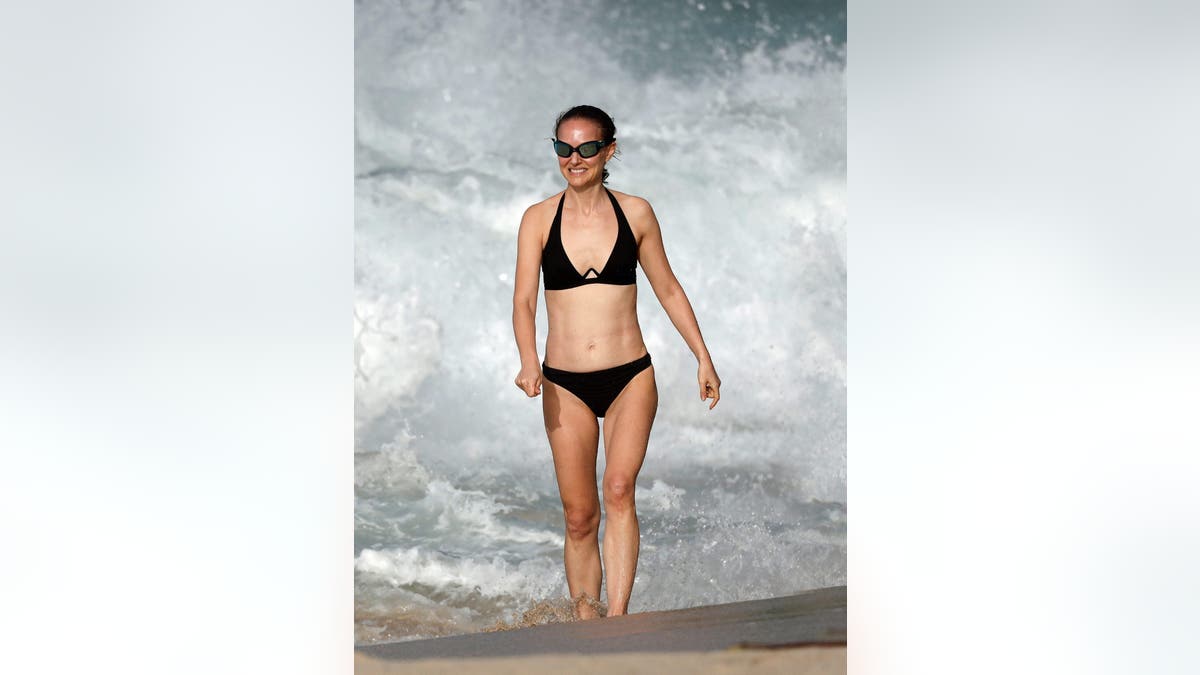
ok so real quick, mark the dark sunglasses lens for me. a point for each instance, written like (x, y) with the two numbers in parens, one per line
(562, 149)
(589, 149)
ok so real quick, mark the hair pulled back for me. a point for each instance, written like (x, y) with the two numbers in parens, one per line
(608, 128)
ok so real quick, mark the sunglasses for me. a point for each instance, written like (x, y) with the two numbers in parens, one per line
(589, 149)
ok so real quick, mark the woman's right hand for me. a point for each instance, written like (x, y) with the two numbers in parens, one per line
(529, 380)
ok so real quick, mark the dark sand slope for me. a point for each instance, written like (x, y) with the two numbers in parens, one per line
(798, 633)
(813, 660)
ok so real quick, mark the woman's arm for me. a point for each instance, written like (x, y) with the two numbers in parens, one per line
(525, 291)
(668, 290)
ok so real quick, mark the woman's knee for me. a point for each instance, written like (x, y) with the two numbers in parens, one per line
(582, 521)
(618, 491)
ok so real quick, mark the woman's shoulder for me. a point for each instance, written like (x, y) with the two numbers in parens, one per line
(633, 205)
(547, 205)
(637, 211)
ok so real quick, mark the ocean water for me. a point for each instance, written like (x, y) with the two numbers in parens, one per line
(731, 121)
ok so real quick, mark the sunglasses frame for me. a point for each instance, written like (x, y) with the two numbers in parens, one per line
(601, 144)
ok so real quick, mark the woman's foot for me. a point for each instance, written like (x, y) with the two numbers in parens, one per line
(586, 607)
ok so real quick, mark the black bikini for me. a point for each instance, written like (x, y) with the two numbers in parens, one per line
(558, 273)
(597, 388)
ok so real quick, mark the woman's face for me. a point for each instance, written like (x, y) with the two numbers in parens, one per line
(580, 171)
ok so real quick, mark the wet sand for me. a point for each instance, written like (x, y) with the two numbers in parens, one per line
(803, 633)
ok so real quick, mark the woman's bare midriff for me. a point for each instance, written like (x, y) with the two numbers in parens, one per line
(592, 327)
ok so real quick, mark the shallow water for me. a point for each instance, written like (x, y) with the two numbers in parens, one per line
(731, 120)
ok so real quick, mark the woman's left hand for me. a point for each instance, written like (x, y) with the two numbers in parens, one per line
(710, 384)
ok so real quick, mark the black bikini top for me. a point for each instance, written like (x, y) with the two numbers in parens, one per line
(621, 269)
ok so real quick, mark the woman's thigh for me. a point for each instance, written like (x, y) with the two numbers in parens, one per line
(627, 426)
(574, 436)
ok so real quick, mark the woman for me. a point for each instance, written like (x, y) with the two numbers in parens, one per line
(588, 241)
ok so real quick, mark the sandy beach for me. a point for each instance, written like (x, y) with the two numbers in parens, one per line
(803, 633)
(817, 660)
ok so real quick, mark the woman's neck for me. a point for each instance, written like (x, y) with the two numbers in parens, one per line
(589, 198)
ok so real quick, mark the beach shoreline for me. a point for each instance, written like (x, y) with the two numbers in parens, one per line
(805, 633)
(807, 660)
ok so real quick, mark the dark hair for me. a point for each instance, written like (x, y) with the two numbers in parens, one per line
(608, 128)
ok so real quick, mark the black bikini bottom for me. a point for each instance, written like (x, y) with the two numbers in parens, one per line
(598, 388)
